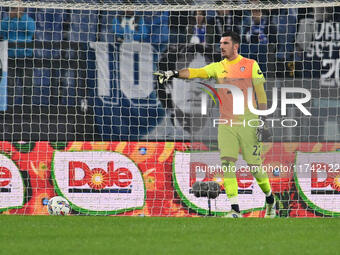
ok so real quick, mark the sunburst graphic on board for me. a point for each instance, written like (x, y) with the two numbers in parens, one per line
(99, 179)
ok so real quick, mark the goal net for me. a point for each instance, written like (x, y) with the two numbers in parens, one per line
(82, 115)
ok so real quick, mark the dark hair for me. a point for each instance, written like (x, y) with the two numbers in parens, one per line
(235, 37)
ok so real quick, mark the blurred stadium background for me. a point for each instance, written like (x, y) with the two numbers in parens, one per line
(82, 90)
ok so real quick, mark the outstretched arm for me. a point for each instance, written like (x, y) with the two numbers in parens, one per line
(186, 73)
(192, 73)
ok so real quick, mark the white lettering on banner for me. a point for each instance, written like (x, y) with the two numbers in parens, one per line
(318, 180)
(98, 181)
(326, 49)
(250, 194)
(103, 71)
(131, 66)
(328, 30)
(135, 68)
(106, 92)
(332, 77)
(11, 184)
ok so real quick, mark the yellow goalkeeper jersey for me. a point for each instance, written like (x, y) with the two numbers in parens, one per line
(243, 73)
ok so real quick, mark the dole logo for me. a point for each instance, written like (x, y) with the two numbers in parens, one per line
(12, 188)
(206, 166)
(98, 178)
(318, 180)
(96, 182)
(325, 176)
(5, 179)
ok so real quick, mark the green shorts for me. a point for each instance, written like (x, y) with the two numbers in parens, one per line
(232, 139)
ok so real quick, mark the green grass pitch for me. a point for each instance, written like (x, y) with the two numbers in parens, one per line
(152, 235)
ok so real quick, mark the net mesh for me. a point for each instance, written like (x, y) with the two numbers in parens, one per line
(164, 5)
(82, 115)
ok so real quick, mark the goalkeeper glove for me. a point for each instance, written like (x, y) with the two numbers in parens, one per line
(264, 133)
(164, 76)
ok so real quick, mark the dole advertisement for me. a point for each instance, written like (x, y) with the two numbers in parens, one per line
(205, 166)
(98, 182)
(156, 178)
(317, 176)
(11, 184)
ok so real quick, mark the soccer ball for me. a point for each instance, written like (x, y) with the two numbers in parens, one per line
(58, 206)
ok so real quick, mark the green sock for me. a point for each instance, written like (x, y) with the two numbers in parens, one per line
(230, 181)
(262, 179)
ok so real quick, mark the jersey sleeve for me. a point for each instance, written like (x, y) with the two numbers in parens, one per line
(257, 75)
(258, 82)
(197, 73)
(206, 72)
(212, 69)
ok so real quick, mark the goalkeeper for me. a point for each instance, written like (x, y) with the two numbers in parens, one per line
(243, 73)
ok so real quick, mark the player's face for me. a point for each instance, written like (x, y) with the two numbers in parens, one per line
(228, 48)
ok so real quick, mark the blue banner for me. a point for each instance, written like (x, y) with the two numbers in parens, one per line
(125, 101)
